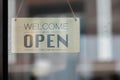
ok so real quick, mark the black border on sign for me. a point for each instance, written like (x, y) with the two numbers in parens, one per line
(5, 39)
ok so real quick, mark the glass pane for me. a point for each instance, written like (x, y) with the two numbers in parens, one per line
(99, 42)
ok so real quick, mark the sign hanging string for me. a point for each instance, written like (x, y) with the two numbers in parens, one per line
(68, 2)
(19, 9)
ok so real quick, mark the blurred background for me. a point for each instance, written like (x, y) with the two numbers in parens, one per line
(99, 58)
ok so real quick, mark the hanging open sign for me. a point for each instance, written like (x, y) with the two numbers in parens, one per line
(45, 35)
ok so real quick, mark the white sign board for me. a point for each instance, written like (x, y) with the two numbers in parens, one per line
(45, 35)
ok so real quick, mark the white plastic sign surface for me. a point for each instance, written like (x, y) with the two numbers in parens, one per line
(45, 35)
